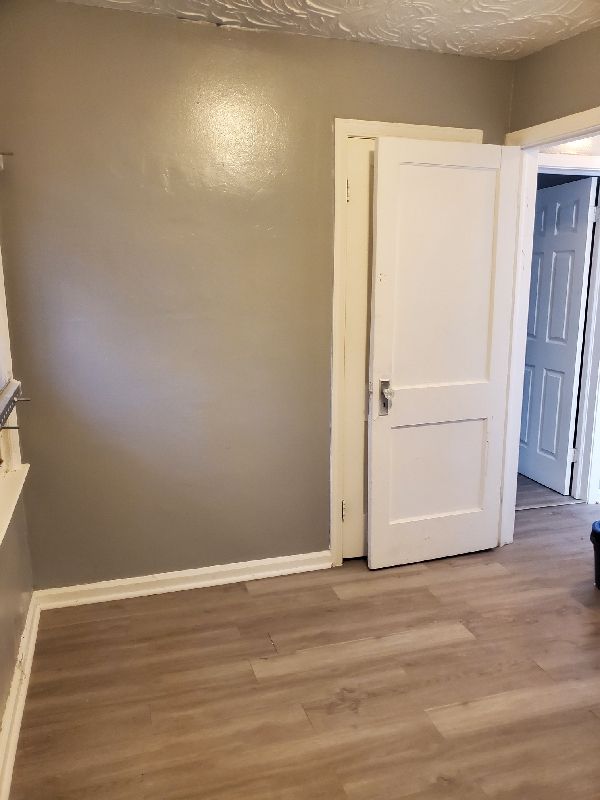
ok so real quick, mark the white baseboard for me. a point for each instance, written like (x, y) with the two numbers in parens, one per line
(119, 590)
(184, 579)
(15, 703)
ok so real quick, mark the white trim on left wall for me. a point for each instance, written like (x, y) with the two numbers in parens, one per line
(12, 478)
(15, 702)
(122, 589)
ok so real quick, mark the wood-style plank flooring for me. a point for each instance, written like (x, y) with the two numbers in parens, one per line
(463, 679)
(531, 494)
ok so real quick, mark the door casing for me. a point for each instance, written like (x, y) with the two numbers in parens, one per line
(587, 469)
(586, 473)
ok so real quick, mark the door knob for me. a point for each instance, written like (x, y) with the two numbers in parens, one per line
(386, 393)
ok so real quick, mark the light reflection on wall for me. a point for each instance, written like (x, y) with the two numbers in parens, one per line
(236, 139)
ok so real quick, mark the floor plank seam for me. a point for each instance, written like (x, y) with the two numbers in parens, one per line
(514, 692)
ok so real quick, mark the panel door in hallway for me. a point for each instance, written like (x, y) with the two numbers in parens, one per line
(557, 300)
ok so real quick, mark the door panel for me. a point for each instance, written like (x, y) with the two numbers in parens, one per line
(526, 409)
(534, 295)
(455, 472)
(559, 279)
(422, 293)
(445, 226)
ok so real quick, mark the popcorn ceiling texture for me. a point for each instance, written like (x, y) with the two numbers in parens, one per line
(506, 29)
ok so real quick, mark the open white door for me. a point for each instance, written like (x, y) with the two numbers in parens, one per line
(559, 280)
(445, 239)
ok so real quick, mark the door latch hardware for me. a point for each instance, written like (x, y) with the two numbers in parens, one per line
(386, 393)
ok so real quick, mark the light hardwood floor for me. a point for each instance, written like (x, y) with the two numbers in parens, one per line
(467, 678)
(533, 495)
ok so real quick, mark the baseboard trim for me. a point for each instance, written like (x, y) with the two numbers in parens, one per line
(160, 583)
(120, 590)
(15, 703)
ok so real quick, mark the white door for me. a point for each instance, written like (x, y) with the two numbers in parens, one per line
(360, 151)
(445, 233)
(559, 278)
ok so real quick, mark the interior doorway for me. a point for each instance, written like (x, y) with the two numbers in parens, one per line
(557, 453)
(563, 243)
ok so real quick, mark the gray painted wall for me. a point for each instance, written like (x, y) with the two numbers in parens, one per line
(560, 80)
(15, 594)
(168, 256)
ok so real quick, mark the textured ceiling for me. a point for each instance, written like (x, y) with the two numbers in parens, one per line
(491, 28)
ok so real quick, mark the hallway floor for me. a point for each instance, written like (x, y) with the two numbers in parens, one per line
(531, 494)
(467, 678)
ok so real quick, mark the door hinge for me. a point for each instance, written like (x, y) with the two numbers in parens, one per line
(595, 213)
(343, 510)
(573, 455)
(347, 190)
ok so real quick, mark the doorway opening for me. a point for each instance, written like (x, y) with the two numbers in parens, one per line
(561, 267)
(557, 463)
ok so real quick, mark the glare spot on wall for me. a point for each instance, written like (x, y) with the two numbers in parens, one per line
(239, 140)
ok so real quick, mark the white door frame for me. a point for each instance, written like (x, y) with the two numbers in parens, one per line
(344, 130)
(575, 126)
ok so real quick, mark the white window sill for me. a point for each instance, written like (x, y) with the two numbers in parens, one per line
(11, 487)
